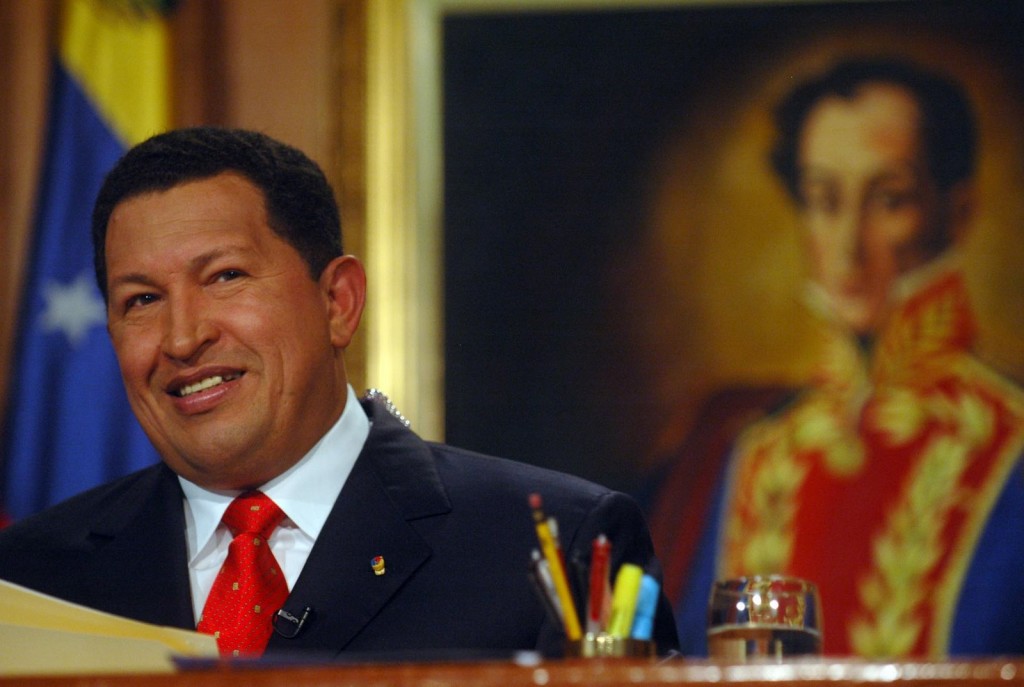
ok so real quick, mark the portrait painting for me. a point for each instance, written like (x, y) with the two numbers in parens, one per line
(624, 270)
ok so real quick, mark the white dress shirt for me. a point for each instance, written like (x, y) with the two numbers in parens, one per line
(306, 492)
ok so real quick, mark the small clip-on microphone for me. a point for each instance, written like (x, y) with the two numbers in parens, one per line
(289, 626)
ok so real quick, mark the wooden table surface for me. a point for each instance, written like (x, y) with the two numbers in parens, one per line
(533, 673)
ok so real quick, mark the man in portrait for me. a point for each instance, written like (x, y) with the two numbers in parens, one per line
(894, 481)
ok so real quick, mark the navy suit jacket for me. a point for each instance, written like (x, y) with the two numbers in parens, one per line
(454, 528)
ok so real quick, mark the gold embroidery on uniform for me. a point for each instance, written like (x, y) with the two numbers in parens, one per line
(821, 428)
(778, 454)
(761, 535)
(1010, 408)
(911, 543)
(925, 390)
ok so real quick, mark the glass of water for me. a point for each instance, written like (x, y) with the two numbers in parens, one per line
(770, 617)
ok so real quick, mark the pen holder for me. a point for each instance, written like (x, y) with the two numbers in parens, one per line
(603, 645)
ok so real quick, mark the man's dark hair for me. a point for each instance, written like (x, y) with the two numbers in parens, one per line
(300, 203)
(947, 122)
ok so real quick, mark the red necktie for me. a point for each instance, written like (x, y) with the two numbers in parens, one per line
(250, 587)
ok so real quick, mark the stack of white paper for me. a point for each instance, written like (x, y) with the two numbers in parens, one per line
(43, 635)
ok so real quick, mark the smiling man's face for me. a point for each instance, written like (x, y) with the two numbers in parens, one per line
(230, 351)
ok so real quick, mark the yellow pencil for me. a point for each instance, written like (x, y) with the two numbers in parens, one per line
(550, 551)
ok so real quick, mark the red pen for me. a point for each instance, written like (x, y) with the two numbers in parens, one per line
(599, 600)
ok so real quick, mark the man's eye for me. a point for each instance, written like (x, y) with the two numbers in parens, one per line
(229, 275)
(894, 199)
(138, 300)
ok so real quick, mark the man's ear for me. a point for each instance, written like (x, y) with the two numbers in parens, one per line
(343, 282)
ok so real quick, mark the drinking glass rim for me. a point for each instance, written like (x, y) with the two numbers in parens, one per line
(779, 584)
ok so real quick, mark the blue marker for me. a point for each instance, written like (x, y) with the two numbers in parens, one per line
(646, 605)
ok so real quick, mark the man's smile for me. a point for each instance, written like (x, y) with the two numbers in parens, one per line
(206, 383)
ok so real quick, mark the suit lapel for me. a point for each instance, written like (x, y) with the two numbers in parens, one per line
(393, 482)
(139, 567)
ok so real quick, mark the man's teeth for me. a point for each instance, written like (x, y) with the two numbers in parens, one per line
(190, 389)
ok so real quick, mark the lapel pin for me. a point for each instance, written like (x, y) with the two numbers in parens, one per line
(377, 563)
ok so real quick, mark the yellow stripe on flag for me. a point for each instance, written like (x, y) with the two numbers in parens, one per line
(121, 57)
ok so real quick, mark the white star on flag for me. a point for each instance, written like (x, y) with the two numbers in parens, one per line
(72, 308)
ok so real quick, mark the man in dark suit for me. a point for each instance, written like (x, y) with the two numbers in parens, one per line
(230, 303)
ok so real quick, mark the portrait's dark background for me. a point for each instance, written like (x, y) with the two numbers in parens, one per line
(615, 246)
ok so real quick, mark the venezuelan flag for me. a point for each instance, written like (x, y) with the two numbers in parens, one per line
(69, 426)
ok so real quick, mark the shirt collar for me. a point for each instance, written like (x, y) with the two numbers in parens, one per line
(306, 492)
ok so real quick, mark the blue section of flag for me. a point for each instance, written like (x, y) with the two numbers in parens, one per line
(68, 425)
